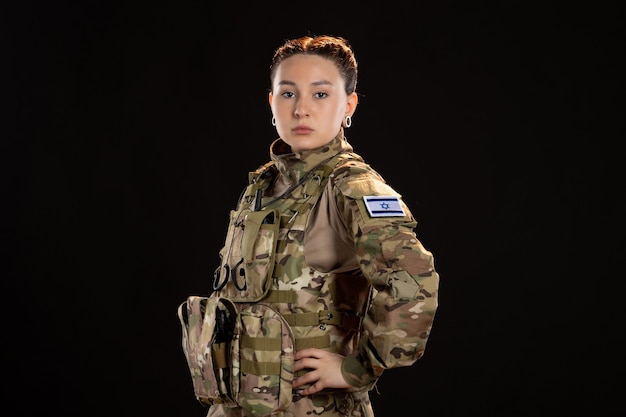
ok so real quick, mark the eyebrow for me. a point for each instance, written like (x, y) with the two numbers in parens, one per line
(321, 82)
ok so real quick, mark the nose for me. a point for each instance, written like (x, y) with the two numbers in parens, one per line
(302, 108)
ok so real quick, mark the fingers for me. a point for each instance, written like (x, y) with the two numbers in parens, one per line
(304, 363)
(312, 379)
(308, 359)
(309, 353)
(313, 389)
(308, 378)
(323, 371)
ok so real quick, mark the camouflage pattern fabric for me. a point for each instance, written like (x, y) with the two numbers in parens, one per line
(262, 361)
(206, 322)
(373, 302)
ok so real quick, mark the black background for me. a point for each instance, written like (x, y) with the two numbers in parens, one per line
(130, 129)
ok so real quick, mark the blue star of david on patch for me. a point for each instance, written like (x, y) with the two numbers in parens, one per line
(383, 206)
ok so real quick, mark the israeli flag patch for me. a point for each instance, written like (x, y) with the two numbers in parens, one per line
(383, 206)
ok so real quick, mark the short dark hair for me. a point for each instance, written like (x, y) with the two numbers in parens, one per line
(335, 48)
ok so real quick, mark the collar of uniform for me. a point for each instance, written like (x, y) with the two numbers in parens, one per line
(295, 165)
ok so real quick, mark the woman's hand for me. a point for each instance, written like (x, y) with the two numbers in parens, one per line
(324, 370)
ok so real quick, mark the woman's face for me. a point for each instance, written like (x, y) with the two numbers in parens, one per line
(309, 102)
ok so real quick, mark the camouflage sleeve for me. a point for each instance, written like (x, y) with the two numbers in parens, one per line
(399, 268)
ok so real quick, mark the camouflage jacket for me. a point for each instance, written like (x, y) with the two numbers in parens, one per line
(345, 266)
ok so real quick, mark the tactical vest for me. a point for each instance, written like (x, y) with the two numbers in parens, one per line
(264, 251)
(274, 302)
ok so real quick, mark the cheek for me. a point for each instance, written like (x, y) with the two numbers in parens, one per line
(281, 110)
(339, 115)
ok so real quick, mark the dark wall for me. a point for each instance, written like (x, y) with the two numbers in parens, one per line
(130, 132)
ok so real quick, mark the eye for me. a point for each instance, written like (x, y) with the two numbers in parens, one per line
(321, 95)
(287, 94)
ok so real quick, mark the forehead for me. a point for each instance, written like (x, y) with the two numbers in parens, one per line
(303, 67)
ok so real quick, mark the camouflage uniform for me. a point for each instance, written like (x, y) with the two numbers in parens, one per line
(346, 277)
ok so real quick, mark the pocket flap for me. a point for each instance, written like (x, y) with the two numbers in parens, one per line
(255, 221)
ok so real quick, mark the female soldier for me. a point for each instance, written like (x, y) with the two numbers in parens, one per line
(330, 284)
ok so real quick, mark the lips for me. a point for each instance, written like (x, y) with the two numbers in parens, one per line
(301, 130)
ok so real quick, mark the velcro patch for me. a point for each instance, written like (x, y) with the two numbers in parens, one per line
(383, 206)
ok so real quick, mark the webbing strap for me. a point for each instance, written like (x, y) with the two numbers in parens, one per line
(337, 318)
(280, 296)
(319, 342)
(317, 181)
(273, 368)
(260, 343)
(260, 368)
(269, 344)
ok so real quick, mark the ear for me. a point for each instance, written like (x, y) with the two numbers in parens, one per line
(353, 101)
(270, 97)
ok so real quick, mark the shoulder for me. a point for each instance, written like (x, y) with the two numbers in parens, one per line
(355, 178)
(360, 188)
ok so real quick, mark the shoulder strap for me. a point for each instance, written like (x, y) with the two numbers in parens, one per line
(258, 180)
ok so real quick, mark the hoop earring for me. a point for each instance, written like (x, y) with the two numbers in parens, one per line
(348, 121)
(273, 121)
